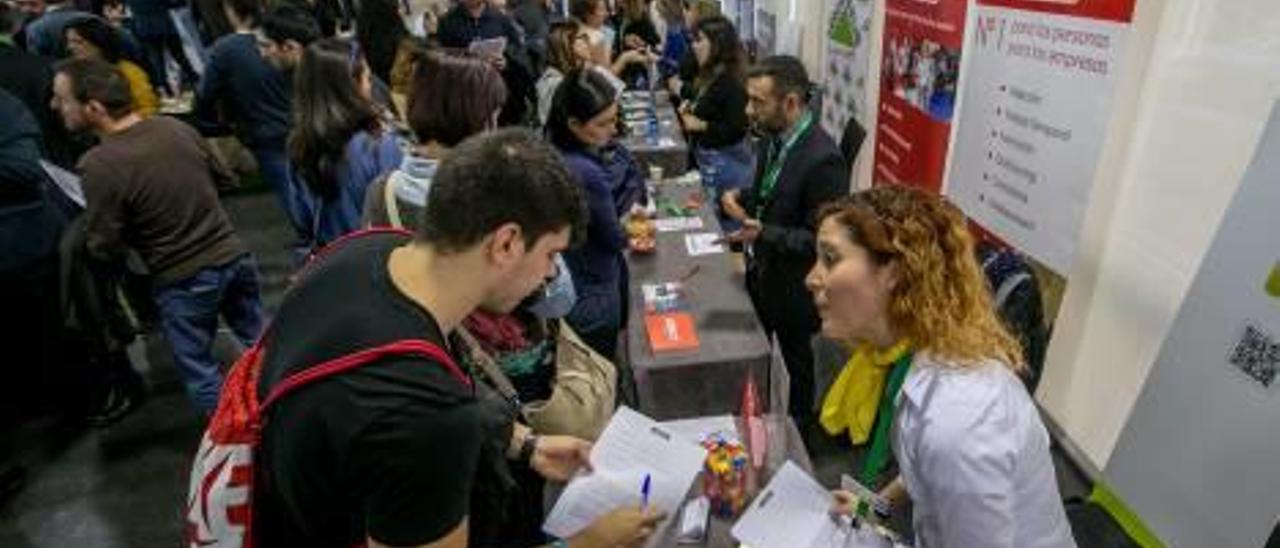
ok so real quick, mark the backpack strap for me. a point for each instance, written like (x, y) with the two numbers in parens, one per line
(331, 246)
(1005, 272)
(354, 360)
(489, 365)
(1008, 286)
(389, 197)
(316, 255)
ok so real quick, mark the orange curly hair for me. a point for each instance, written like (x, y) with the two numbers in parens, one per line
(941, 300)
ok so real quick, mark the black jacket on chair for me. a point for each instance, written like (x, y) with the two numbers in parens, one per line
(30, 221)
(814, 174)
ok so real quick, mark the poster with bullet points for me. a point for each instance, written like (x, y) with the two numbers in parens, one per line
(919, 75)
(1034, 110)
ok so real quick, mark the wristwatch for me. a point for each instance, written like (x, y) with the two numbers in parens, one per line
(527, 447)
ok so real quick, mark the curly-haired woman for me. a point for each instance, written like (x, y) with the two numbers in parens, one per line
(896, 279)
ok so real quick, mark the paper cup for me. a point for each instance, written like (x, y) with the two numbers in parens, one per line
(655, 174)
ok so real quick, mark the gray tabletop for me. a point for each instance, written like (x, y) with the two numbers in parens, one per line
(670, 151)
(784, 444)
(708, 380)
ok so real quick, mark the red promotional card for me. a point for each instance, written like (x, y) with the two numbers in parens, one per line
(671, 331)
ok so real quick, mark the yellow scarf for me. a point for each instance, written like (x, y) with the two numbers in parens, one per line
(853, 400)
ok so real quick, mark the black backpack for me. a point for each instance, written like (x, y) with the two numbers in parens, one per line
(1015, 293)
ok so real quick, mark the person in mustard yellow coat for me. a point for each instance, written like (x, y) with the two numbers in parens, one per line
(94, 39)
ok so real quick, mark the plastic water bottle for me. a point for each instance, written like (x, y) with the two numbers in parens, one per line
(654, 130)
(655, 80)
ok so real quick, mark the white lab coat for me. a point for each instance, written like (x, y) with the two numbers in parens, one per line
(974, 456)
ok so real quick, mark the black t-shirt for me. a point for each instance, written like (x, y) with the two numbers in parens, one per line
(388, 450)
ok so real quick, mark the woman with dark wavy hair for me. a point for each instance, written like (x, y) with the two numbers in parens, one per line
(583, 124)
(715, 112)
(338, 143)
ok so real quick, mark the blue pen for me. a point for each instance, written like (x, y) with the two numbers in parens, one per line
(644, 491)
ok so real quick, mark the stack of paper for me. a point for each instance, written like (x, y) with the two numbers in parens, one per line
(631, 448)
(794, 511)
(703, 243)
(678, 224)
(667, 319)
(699, 429)
(491, 48)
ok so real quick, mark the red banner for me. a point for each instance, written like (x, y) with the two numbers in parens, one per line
(1120, 11)
(919, 77)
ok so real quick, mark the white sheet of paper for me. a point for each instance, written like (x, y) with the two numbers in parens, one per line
(631, 447)
(703, 243)
(67, 181)
(793, 511)
(698, 429)
(489, 48)
(678, 224)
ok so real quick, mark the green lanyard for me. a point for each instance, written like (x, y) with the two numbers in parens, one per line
(770, 180)
(878, 455)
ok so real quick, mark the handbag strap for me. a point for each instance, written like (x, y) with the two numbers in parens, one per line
(489, 366)
(389, 196)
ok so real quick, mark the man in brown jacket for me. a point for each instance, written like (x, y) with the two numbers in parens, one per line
(151, 186)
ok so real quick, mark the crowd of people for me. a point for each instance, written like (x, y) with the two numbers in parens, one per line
(495, 183)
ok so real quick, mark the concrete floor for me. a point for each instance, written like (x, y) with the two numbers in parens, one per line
(125, 486)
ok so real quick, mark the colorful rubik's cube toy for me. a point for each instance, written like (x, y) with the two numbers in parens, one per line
(724, 478)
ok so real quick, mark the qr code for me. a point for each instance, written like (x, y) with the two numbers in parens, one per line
(1257, 355)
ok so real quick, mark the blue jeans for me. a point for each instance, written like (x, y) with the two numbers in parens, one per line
(722, 170)
(189, 311)
(273, 164)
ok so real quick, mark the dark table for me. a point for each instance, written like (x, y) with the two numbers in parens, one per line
(707, 380)
(784, 444)
(669, 150)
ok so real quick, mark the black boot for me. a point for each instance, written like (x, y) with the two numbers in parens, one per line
(122, 391)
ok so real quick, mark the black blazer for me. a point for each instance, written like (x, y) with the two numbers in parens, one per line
(814, 174)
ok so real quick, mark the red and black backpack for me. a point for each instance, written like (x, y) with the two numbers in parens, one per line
(219, 510)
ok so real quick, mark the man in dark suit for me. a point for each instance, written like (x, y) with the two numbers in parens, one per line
(472, 20)
(800, 169)
(534, 18)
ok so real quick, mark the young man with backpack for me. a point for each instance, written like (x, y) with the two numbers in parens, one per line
(366, 431)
